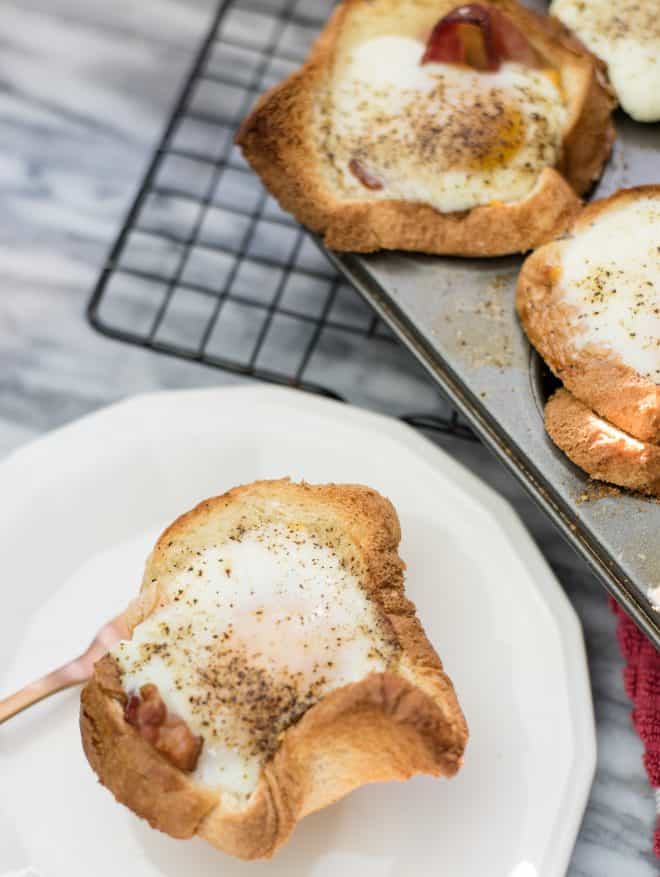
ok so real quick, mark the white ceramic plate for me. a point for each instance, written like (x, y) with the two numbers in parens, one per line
(80, 510)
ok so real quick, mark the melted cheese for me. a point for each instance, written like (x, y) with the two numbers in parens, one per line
(626, 35)
(437, 134)
(610, 273)
(257, 630)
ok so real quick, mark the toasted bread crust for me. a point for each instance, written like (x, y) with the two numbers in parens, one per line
(276, 141)
(124, 762)
(602, 451)
(386, 726)
(596, 376)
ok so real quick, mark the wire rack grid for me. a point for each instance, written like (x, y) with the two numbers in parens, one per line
(208, 267)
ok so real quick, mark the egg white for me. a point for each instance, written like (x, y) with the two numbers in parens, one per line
(626, 35)
(610, 276)
(290, 612)
(420, 128)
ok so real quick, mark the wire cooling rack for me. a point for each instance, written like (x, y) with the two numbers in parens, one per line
(207, 267)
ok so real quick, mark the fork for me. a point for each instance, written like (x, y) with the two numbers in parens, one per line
(76, 671)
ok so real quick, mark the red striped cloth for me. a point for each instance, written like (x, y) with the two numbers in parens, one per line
(641, 678)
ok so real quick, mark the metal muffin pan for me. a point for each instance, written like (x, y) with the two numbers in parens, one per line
(457, 316)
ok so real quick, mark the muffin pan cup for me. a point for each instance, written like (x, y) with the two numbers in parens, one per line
(457, 316)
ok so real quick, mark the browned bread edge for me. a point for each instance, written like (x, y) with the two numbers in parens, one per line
(383, 727)
(275, 140)
(605, 453)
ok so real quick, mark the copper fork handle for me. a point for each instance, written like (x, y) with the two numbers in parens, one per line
(76, 671)
(65, 677)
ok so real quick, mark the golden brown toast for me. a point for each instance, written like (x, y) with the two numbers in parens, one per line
(625, 36)
(296, 139)
(600, 449)
(590, 305)
(273, 625)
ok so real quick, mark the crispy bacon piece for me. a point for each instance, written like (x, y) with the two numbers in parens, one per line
(369, 180)
(167, 732)
(480, 37)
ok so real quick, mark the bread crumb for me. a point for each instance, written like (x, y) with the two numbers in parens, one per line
(596, 490)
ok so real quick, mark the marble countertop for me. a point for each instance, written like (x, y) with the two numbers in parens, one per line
(84, 90)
